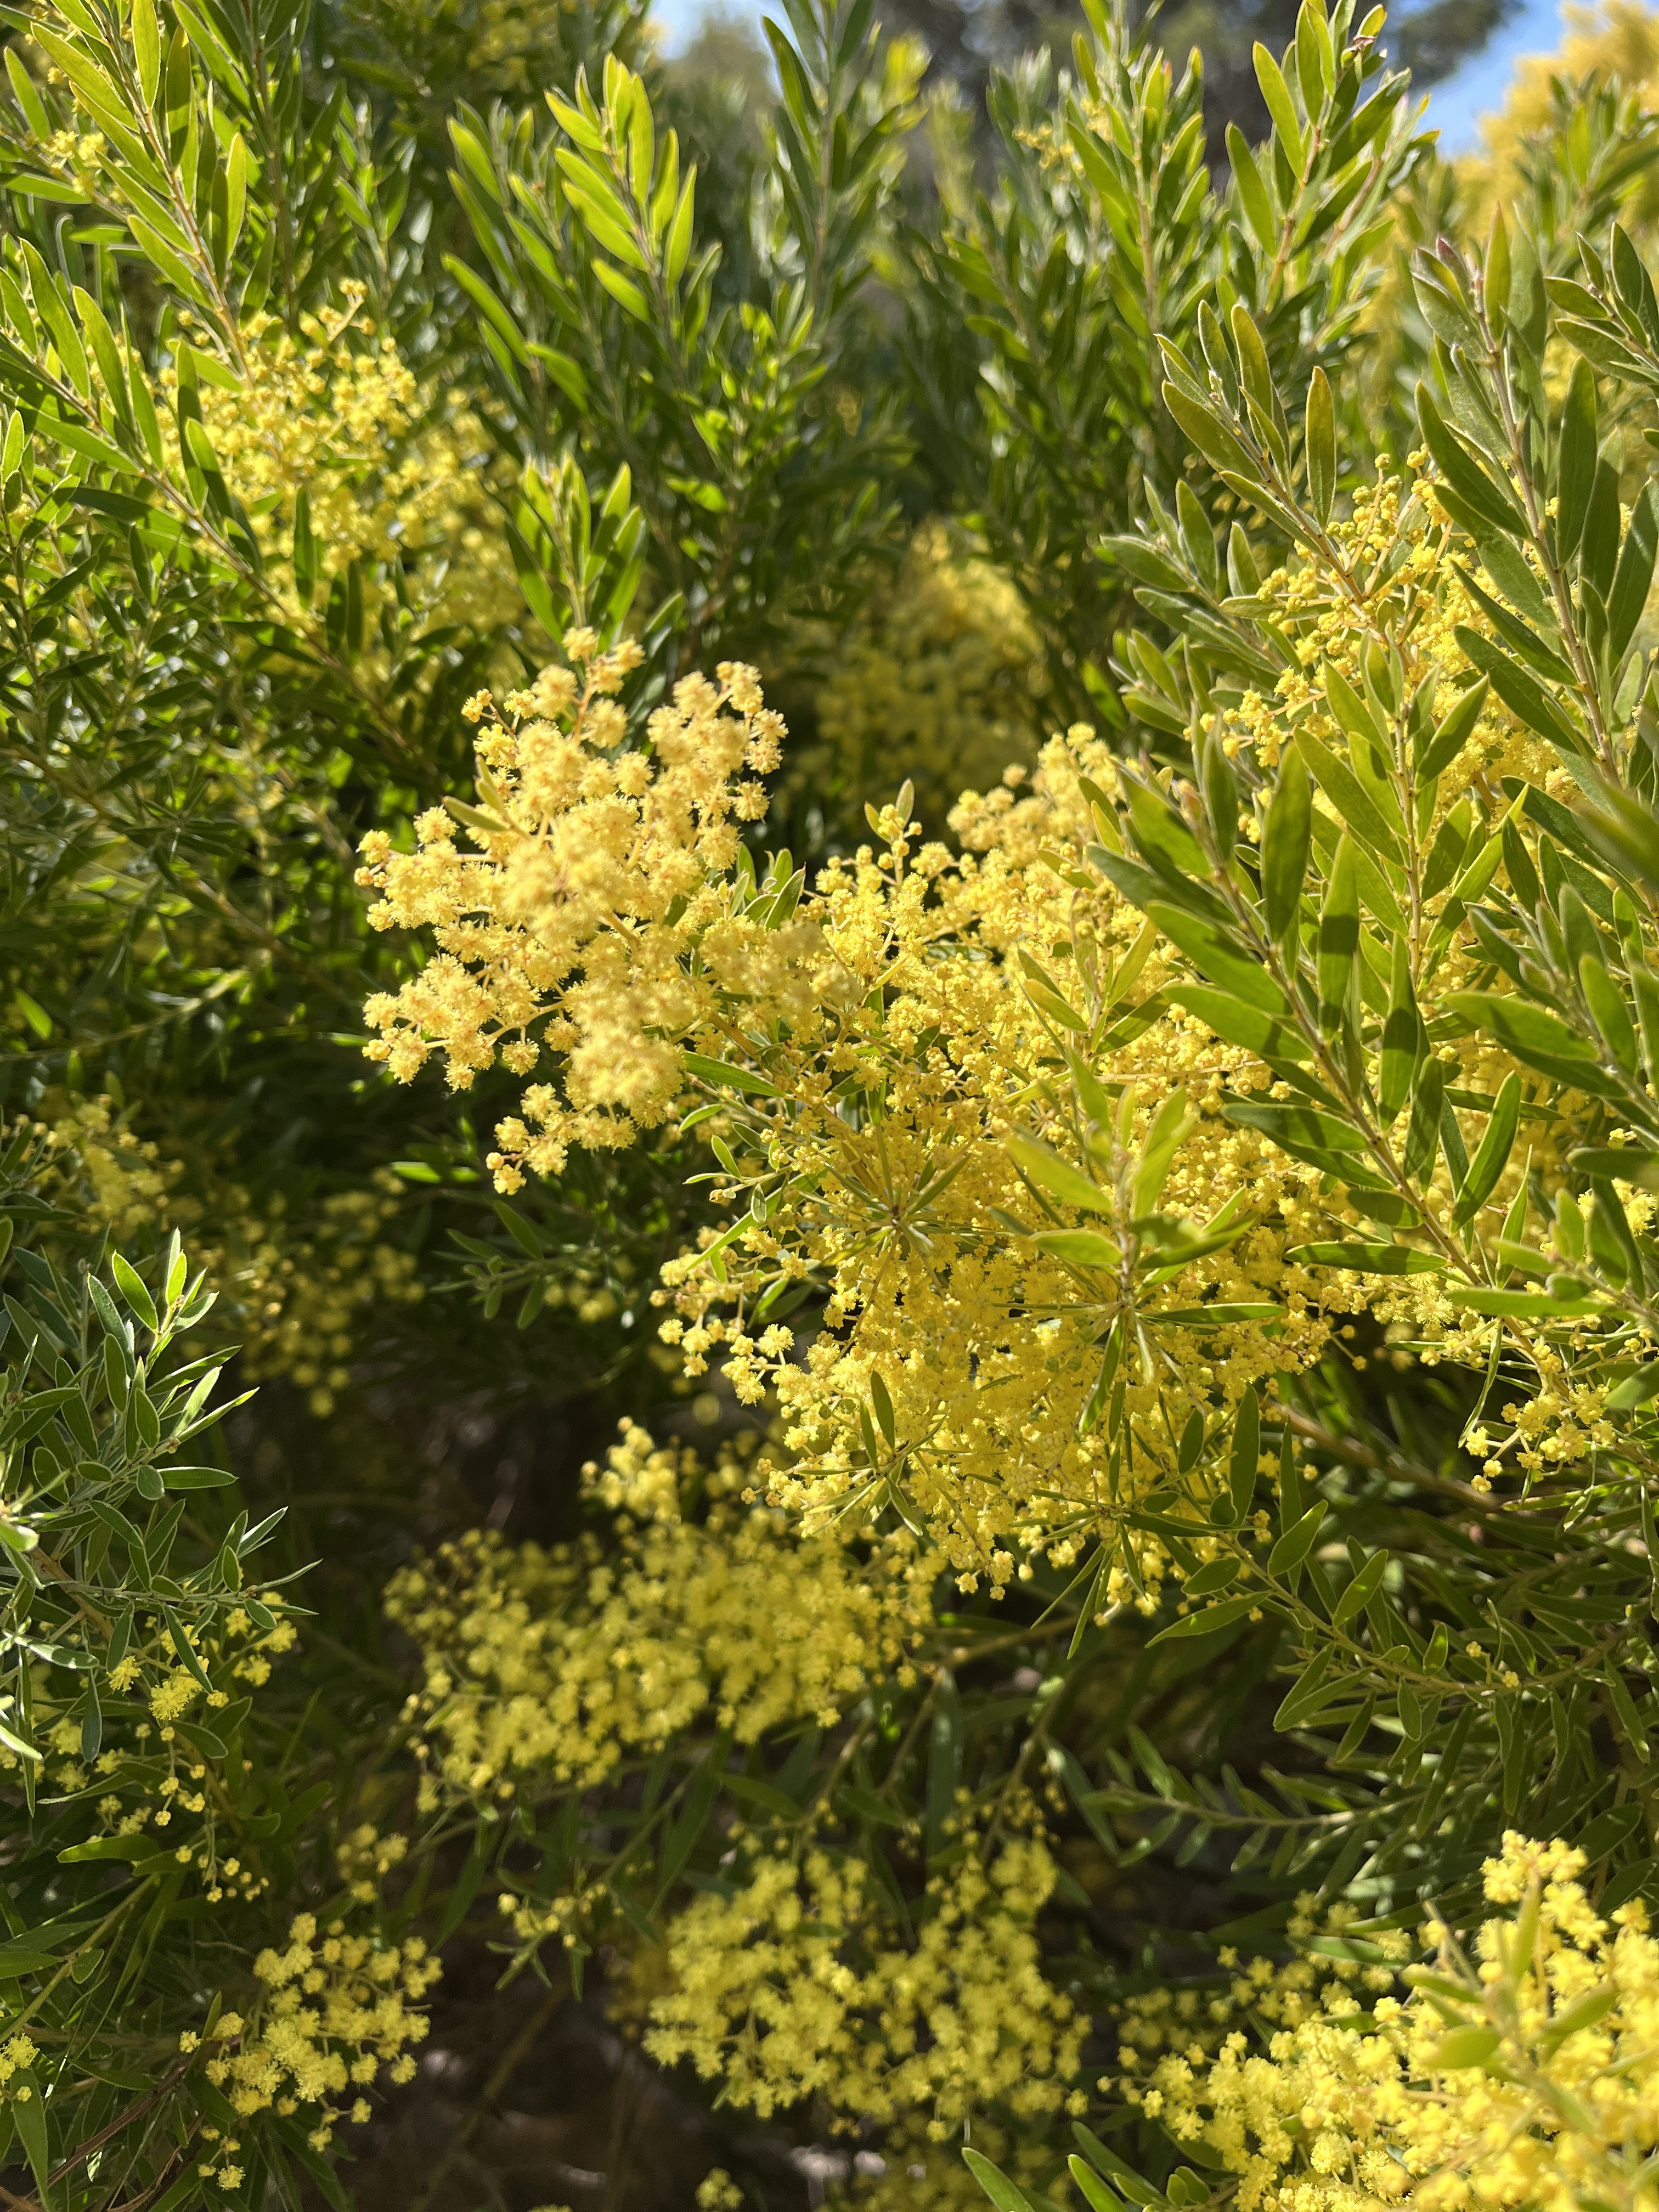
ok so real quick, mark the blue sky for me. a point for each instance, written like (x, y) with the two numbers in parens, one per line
(1457, 105)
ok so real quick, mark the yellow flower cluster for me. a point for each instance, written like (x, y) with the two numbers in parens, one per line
(1391, 546)
(337, 413)
(885, 1175)
(559, 1663)
(892, 1032)
(366, 1858)
(1387, 585)
(787, 1989)
(156, 1775)
(124, 1182)
(1524, 2073)
(598, 924)
(945, 673)
(298, 1297)
(1191, 2025)
(1616, 38)
(335, 2012)
(17, 2055)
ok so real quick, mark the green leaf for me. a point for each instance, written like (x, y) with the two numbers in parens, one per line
(133, 1848)
(1521, 691)
(1354, 716)
(1259, 210)
(18, 1959)
(1576, 468)
(1609, 1012)
(1080, 1248)
(171, 265)
(1213, 438)
(132, 1287)
(1612, 1161)
(182, 1644)
(1244, 1453)
(487, 304)
(1629, 1720)
(1057, 1176)
(28, 2108)
(466, 1885)
(1467, 2047)
(1403, 1037)
(193, 1478)
(1495, 504)
(1276, 95)
(725, 1077)
(1492, 1155)
(1096, 2194)
(1339, 940)
(33, 186)
(1222, 1314)
(147, 47)
(622, 289)
(882, 1406)
(996, 2184)
(1532, 1034)
(1296, 1129)
(1319, 445)
(1129, 2183)
(1230, 964)
(1354, 805)
(1298, 1540)
(1634, 577)
(27, 98)
(1311, 1689)
(678, 245)
(1521, 1305)
(1222, 1615)
(1368, 1259)
(1211, 1579)
(1240, 1025)
(1361, 1590)
(765, 1794)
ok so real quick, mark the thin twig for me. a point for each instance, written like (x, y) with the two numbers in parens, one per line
(491, 2090)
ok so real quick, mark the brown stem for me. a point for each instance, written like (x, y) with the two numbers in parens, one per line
(122, 2120)
(492, 2089)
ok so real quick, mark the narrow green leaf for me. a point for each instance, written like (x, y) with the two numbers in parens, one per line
(1298, 1540)
(132, 1287)
(1240, 1025)
(1609, 1012)
(1206, 1622)
(1245, 1452)
(1057, 1176)
(884, 1408)
(1277, 94)
(1634, 577)
(1491, 1155)
(1339, 940)
(1403, 1036)
(1253, 193)
(1319, 445)
(996, 2184)
(727, 1077)
(1353, 803)
(1361, 1590)
(1287, 843)
(1576, 458)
